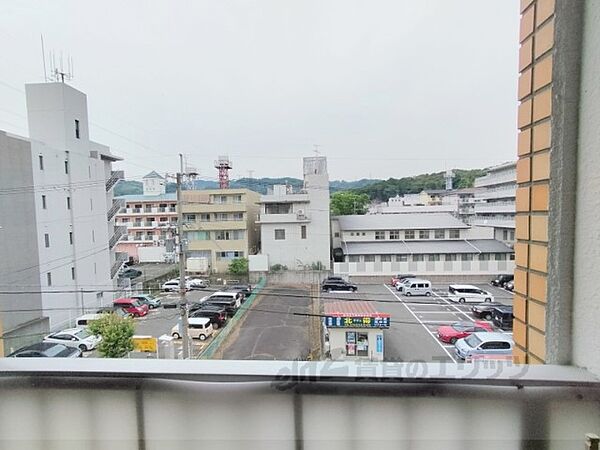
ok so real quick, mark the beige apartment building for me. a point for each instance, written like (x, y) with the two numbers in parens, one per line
(220, 225)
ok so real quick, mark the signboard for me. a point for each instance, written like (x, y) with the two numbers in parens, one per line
(357, 322)
(379, 343)
(145, 344)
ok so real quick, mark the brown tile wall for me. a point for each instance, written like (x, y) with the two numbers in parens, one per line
(533, 177)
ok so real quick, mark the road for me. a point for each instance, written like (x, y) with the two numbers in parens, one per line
(269, 331)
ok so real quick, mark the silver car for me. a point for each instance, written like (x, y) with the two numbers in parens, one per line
(484, 344)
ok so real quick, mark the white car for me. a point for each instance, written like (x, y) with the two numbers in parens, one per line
(196, 283)
(173, 285)
(79, 338)
(462, 293)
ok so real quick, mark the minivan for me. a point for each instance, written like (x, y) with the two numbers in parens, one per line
(483, 344)
(198, 327)
(132, 306)
(230, 295)
(228, 304)
(503, 317)
(416, 286)
(86, 319)
(462, 293)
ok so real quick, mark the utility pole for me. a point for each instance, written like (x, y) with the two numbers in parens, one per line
(182, 284)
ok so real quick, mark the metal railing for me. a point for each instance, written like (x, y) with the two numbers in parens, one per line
(115, 176)
(120, 231)
(114, 209)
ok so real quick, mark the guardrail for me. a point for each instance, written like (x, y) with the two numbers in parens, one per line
(210, 350)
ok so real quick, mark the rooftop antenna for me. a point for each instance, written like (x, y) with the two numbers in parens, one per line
(316, 150)
(44, 58)
(58, 73)
(223, 164)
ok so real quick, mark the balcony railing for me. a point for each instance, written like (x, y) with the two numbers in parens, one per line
(120, 231)
(114, 209)
(120, 258)
(115, 176)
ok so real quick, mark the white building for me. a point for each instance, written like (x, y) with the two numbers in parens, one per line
(423, 244)
(71, 187)
(494, 205)
(294, 226)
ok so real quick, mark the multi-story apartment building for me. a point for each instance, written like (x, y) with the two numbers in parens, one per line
(294, 226)
(425, 244)
(68, 187)
(150, 218)
(219, 225)
(495, 201)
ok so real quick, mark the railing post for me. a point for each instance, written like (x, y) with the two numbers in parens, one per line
(592, 441)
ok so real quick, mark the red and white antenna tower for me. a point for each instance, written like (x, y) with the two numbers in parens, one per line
(224, 165)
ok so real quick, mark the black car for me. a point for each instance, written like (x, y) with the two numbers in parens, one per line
(244, 289)
(131, 273)
(503, 317)
(338, 285)
(46, 350)
(332, 279)
(485, 310)
(217, 315)
(229, 304)
(501, 280)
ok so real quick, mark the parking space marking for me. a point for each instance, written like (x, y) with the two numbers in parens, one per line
(469, 318)
(421, 322)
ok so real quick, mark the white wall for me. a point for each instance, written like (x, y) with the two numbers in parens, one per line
(424, 268)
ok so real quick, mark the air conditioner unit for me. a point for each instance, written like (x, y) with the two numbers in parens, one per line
(300, 214)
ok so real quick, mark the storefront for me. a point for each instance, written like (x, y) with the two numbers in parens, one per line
(353, 330)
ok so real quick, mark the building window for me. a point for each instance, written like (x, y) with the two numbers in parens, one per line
(512, 235)
(434, 257)
(279, 234)
(454, 234)
(221, 217)
(163, 219)
(417, 258)
(451, 257)
(204, 217)
(500, 257)
(379, 235)
(423, 234)
(68, 202)
(369, 258)
(223, 235)
(72, 273)
(41, 160)
(385, 258)
(363, 233)
(401, 258)
(409, 234)
(512, 256)
(77, 129)
(354, 258)
(466, 257)
(71, 237)
(302, 231)
(43, 202)
(238, 216)
(278, 208)
(237, 199)
(190, 217)
(439, 234)
(197, 235)
(352, 234)
(229, 255)
(49, 279)
(336, 234)
(67, 166)
(505, 235)
(394, 234)
(96, 270)
(47, 240)
(484, 257)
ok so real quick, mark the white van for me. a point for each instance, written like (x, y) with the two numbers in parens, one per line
(417, 286)
(230, 295)
(198, 327)
(462, 293)
(86, 319)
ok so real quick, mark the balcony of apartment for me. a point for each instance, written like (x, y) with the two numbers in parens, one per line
(117, 205)
(114, 178)
(119, 233)
(334, 405)
(151, 210)
(496, 178)
(208, 208)
(120, 258)
(281, 195)
(501, 207)
(296, 217)
(500, 192)
(143, 239)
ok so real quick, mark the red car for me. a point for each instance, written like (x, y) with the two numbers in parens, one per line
(459, 330)
(400, 277)
(132, 306)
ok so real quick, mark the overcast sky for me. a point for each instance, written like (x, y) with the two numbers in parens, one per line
(385, 88)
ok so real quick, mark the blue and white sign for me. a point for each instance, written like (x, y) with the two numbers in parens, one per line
(379, 343)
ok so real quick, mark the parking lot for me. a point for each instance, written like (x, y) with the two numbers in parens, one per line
(414, 320)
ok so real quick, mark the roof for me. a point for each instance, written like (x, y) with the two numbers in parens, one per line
(149, 198)
(463, 286)
(352, 309)
(492, 336)
(153, 174)
(425, 247)
(198, 320)
(408, 221)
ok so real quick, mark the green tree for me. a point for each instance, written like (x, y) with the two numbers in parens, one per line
(346, 202)
(238, 266)
(116, 332)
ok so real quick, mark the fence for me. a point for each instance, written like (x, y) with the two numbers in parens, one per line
(210, 350)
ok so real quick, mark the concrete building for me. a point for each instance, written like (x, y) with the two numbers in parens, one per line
(220, 225)
(495, 201)
(150, 218)
(294, 226)
(69, 180)
(424, 244)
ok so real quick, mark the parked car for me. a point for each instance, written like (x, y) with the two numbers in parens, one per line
(216, 314)
(416, 286)
(230, 305)
(503, 317)
(459, 330)
(130, 273)
(86, 319)
(198, 327)
(484, 310)
(400, 284)
(501, 280)
(46, 350)
(172, 286)
(245, 289)
(148, 299)
(510, 285)
(132, 306)
(332, 278)
(114, 310)
(336, 285)
(79, 338)
(196, 283)
(399, 278)
(467, 293)
(227, 295)
(483, 344)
